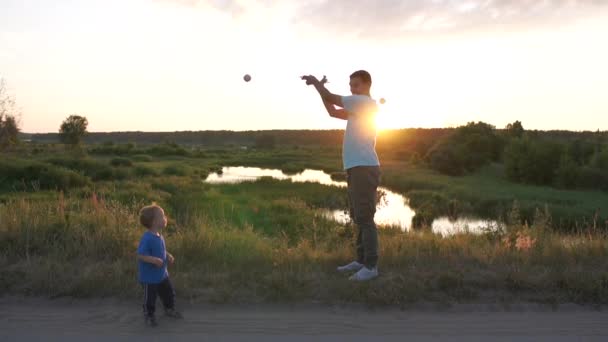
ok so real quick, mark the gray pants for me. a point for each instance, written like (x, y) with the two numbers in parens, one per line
(363, 182)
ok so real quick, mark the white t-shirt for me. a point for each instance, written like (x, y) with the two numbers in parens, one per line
(359, 147)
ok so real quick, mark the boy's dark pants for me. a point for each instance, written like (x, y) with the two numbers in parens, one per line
(164, 290)
(363, 182)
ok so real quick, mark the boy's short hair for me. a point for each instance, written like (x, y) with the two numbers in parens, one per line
(147, 215)
(363, 75)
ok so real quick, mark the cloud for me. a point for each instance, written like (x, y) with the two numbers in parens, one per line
(395, 18)
(383, 18)
(233, 7)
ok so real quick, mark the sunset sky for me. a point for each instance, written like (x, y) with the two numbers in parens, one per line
(165, 65)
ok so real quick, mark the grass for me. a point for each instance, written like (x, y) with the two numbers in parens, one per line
(268, 241)
(488, 194)
(71, 245)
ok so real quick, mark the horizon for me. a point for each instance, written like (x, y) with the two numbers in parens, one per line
(177, 65)
(318, 129)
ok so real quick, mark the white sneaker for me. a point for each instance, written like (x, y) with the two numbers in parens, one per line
(352, 267)
(365, 274)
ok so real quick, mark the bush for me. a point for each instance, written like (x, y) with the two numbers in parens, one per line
(447, 158)
(141, 158)
(580, 151)
(567, 175)
(27, 175)
(467, 149)
(167, 149)
(142, 171)
(121, 162)
(113, 149)
(120, 174)
(593, 178)
(174, 170)
(94, 169)
(531, 161)
(600, 160)
(265, 141)
(88, 167)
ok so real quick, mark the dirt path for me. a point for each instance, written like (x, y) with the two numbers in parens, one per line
(63, 320)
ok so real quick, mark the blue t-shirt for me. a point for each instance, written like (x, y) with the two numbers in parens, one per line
(359, 147)
(152, 245)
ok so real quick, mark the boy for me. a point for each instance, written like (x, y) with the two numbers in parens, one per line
(361, 165)
(152, 258)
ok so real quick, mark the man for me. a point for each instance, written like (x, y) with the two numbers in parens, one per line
(361, 165)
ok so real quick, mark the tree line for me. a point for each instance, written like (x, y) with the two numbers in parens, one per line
(562, 159)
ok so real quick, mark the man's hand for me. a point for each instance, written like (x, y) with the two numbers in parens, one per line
(310, 80)
(325, 94)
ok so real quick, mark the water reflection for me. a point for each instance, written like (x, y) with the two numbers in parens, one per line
(392, 208)
(448, 226)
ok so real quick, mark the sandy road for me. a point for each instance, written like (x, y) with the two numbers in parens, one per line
(110, 320)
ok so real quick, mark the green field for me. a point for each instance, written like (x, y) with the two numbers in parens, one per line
(69, 228)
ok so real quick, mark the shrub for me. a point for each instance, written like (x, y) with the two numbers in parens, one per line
(167, 149)
(121, 162)
(174, 170)
(114, 149)
(593, 178)
(600, 160)
(447, 158)
(141, 158)
(265, 141)
(35, 175)
(467, 149)
(94, 169)
(531, 161)
(142, 171)
(567, 174)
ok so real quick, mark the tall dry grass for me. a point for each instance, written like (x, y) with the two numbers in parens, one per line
(74, 246)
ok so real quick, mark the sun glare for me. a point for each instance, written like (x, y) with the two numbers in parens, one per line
(383, 121)
(389, 117)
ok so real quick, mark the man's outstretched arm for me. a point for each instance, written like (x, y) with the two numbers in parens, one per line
(326, 95)
(334, 112)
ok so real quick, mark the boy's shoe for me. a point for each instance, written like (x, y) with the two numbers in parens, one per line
(173, 314)
(352, 267)
(365, 274)
(151, 321)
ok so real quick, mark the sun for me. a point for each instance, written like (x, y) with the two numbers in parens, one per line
(387, 119)
(398, 116)
(384, 121)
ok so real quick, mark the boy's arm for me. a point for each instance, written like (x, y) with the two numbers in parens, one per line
(326, 95)
(170, 257)
(143, 251)
(150, 260)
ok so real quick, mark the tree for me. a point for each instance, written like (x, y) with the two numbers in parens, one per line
(534, 161)
(567, 173)
(265, 141)
(73, 129)
(515, 130)
(600, 160)
(466, 149)
(9, 123)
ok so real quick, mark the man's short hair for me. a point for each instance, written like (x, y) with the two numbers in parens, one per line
(147, 215)
(363, 75)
